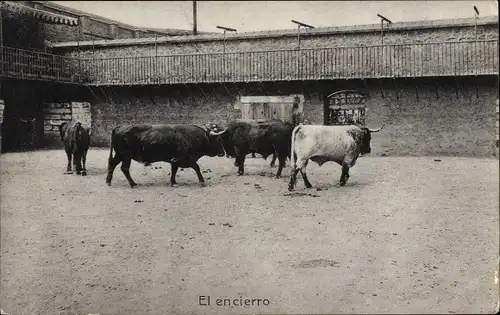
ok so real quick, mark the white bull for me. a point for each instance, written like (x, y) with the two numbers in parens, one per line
(320, 144)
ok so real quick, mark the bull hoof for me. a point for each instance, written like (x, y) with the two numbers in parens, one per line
(68, 172)
(78, 173)
(342, 183)
(290, 188)
(108, 183)
(309, 186)
(202, 184)
(84, 173)
(173, 185)
(133, 185)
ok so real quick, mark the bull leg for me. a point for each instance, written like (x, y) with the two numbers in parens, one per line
(349, 161)
(84, 161)
(293, 178)
(126, 171)
(68, 168)
(304, 174)
(240, 161)
(345, 174)
(77, 159)
(74, 164)
(299, 166)
(173, 172)
(281, 164)
(112, 163)
(273, 161)
(196, 168)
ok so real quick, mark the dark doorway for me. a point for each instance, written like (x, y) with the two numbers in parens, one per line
(22, 123)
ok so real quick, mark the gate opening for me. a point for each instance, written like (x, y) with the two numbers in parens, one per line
(345, 108)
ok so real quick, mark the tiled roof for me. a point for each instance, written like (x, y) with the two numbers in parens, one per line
(45, 16)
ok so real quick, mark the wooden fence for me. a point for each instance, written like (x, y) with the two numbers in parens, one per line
(458, 58)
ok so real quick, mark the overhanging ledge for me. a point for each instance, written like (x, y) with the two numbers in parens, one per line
(47, 17)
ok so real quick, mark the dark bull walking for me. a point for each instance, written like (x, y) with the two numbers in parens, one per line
(180, 145)
(76, 140)
(320, 144)
(266, 138)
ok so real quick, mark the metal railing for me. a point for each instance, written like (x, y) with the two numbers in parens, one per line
(34, 65)
(458, 58)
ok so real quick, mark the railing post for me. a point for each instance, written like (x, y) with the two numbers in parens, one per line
(298, 53)
(224, 52)
(224, 45)
(155, 67)
(382, 19)
(299, 63)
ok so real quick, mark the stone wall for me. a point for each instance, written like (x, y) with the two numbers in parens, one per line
(422, 116)
(81, 111)
(497, 134)
(58, 113)
(2, 106)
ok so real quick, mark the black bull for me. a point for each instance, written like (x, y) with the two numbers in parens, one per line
(180, 145)
(76, 140)
(266, 138)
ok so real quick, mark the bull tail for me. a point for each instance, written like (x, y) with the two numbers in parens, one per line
(111, 142)
(292, 151)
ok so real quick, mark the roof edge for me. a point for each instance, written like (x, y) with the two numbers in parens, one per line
(398, 26)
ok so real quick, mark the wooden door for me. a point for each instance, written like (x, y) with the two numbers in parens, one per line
(270, 107)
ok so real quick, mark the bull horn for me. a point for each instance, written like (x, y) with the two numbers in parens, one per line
(377, 130)
(217, 133)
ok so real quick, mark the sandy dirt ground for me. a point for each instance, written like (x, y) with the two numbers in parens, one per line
(406, 235)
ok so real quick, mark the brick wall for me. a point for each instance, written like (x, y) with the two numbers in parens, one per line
(268, 41)
(422, 117)
(63, 33)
